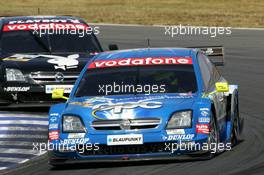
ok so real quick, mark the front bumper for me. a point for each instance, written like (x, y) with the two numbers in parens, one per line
(24, 95)
(147, 151)
(198, 155)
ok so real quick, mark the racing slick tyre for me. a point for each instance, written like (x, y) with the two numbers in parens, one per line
(236, 126)
(213, 137)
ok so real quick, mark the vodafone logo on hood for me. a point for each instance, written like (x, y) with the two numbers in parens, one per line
(140, 62)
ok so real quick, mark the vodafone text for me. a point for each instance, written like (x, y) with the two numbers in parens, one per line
(140, 62)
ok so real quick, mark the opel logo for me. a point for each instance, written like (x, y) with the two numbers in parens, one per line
(59, 77)
(125, 124)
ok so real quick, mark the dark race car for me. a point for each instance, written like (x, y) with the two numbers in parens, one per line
(42, 53)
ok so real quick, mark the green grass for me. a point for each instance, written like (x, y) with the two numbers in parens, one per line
(234, 13)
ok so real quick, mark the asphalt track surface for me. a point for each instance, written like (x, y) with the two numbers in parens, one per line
(245, 67)
(18, 131)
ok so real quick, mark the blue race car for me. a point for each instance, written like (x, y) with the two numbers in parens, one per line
(142, 104)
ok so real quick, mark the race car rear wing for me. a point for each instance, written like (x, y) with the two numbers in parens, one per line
(214, 53)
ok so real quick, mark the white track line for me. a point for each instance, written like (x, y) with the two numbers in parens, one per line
(24, 115)
(23, 122)
(3, 168)
(16, 143)
(23, 136)
(20, 151)
(20, 128)
(13, 160)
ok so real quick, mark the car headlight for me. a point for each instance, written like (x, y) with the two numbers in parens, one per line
(14, 75)
(72, 124)
(181, 119)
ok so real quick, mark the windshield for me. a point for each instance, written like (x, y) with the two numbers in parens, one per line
(138, 80)
(27, 41)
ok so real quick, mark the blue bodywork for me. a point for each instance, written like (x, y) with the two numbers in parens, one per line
(169, 104)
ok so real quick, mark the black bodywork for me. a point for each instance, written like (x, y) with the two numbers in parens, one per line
(30, 65)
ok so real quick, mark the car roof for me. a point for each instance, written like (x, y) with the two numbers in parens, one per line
(146, 52)
(7, 19)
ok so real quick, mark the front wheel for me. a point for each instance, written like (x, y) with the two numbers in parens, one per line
(213, 137)
(235, 134)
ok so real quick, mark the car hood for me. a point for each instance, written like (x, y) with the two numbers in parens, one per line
(129, 107)
(44, 62)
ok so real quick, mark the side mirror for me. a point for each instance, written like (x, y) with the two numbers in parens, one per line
(113, 47)
(222, 87)
(58, 94)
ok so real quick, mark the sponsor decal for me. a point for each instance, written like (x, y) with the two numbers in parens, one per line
(75, 141)
(53, 126)
(53, 119)
(209, 51)
(44, 26)
(52, 19)
(203, 119)
(84, 104)
(16, 59)
(76, 135)
(204, 113)
(20, 57)
(54, 135)
(115, 105)
(118, 107)
(102, 104)
(89, 102)
(16, 89)
(59, 62)
(98, 99)
(179, 137)
(202, 128)
(50, 88)
(54, 114)
(63, 63)
(175, 131)
(204, 109)
(128, 139)
(140, 62)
